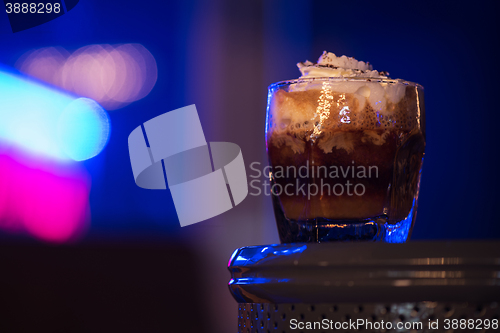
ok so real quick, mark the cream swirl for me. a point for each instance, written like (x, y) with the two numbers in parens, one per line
(329, 65)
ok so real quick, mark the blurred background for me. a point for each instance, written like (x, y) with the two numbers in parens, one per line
(82, 248)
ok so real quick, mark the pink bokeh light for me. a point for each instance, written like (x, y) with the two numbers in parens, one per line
(44, 64)
(43, 199)
(112, 75)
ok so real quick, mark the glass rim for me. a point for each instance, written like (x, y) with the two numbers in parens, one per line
(342, 78)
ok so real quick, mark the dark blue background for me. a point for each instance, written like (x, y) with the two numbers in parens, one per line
(448, 47)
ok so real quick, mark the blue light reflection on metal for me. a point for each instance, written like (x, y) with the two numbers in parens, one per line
(255, 281)
(30, 113)
(298, 249)
(249, 281)
(254, 254)
(232, 257)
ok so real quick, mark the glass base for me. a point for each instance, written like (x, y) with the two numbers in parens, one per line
(325, 230)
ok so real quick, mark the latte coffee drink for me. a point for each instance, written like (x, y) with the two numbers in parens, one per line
(345, 145)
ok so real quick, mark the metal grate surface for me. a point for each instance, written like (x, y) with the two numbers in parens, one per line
(280, 318)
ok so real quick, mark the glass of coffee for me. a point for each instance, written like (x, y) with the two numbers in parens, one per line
(345, 145)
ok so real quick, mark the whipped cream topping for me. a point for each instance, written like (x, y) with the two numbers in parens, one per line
(377, 94)
(329, 65)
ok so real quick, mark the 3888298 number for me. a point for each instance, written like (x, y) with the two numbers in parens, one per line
(471, 324)
(32, 8)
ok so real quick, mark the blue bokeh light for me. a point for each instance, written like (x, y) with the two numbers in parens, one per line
(48, 122)
(83, 129)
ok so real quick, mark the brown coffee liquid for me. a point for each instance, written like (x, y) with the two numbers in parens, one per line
(342, 185)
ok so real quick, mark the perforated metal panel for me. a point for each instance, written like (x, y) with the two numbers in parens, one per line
(279, 318)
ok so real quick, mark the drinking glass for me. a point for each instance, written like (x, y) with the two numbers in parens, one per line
(346, 157)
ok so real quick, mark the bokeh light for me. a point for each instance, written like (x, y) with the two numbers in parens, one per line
(43, 192)
(83, 129)
(44, 63)
(48, 122)
(47, 200)
(114, 76)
